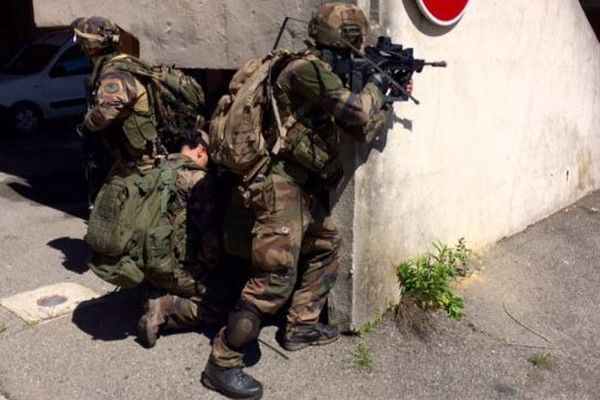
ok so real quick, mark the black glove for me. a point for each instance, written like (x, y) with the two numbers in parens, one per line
(382, 81)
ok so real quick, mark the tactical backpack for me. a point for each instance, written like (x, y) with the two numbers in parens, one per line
(129, 231)
(177, 99)
(239, 136)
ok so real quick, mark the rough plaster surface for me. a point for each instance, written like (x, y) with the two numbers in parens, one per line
(190, 33)
(505, 136)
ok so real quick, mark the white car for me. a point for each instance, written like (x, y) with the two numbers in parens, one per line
(46, 80)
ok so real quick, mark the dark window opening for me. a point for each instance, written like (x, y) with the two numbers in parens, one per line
(32, 60)
(215, 83)
(592, 11)
(72, 62)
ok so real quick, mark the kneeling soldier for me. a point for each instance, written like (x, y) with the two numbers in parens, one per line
(199, 289)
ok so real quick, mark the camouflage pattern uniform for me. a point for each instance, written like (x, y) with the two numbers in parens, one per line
(294, 240)
(122, 114)
(200, 285)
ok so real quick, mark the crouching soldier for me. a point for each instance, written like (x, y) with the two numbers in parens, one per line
(163, 226)
(202, 286)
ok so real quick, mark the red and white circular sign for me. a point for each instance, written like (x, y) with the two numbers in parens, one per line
(443, 12)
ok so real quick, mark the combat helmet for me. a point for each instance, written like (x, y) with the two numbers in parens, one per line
(332, 20)
(96, 34)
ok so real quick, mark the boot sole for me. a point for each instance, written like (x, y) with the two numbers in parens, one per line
(208, 383)
(146, 339)
(299, 346)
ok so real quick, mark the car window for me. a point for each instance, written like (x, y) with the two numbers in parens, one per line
(32, 60)
(71, 62)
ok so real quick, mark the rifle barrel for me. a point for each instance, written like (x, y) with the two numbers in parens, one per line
(437, 64)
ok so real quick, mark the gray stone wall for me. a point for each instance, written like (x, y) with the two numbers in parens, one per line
(191, 33)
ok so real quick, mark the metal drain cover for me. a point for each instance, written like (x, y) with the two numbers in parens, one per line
(51, 301)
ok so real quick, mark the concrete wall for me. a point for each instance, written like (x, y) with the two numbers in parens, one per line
(189, 33)
(508, 134)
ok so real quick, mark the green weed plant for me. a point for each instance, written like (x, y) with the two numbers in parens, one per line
(427, 279)
(363, 356)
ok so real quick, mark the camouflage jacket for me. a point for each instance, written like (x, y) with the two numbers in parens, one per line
(314, 103)
(121, 111)
(195, 212)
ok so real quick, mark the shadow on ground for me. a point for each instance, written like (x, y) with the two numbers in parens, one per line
(75, 252)
(114, 316)
(110, 317)
(47, 167)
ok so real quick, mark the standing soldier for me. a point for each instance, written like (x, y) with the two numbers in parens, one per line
(121, 112)
(294, 240)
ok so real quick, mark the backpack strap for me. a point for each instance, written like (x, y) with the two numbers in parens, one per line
(282, 127)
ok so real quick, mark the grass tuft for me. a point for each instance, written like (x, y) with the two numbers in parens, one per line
(363, 356)
(541, 360)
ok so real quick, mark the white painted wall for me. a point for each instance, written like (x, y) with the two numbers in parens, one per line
(508, 134)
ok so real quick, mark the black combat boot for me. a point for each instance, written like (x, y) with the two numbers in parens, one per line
(231, 382)
(155, 315)
(301, 336)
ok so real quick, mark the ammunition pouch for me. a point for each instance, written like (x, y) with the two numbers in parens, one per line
(124, 272)
(111, 224)
(140, 129)
(307, 149)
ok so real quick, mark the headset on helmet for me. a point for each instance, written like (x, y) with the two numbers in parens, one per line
(332, 20)
(96, 33)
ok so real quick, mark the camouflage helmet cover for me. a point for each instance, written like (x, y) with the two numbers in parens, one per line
(338, 19)
(96, 33)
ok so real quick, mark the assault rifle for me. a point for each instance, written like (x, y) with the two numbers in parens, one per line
(390, 59)
(393, 59)
(95, 159)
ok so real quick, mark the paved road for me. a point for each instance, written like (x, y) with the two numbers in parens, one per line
(546, 277)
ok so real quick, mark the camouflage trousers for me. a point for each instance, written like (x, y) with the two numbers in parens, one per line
(180, 282)
(294, 258)
(200, 299)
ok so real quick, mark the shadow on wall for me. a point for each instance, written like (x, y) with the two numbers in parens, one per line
(129, 44)
(592, 12)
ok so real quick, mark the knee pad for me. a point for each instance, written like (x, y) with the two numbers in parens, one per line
(243, 326)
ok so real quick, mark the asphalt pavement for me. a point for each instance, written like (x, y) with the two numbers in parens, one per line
(531, 329)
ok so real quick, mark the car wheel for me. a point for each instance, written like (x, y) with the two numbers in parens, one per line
(26, 119)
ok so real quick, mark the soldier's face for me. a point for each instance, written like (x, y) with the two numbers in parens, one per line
(198, 155)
